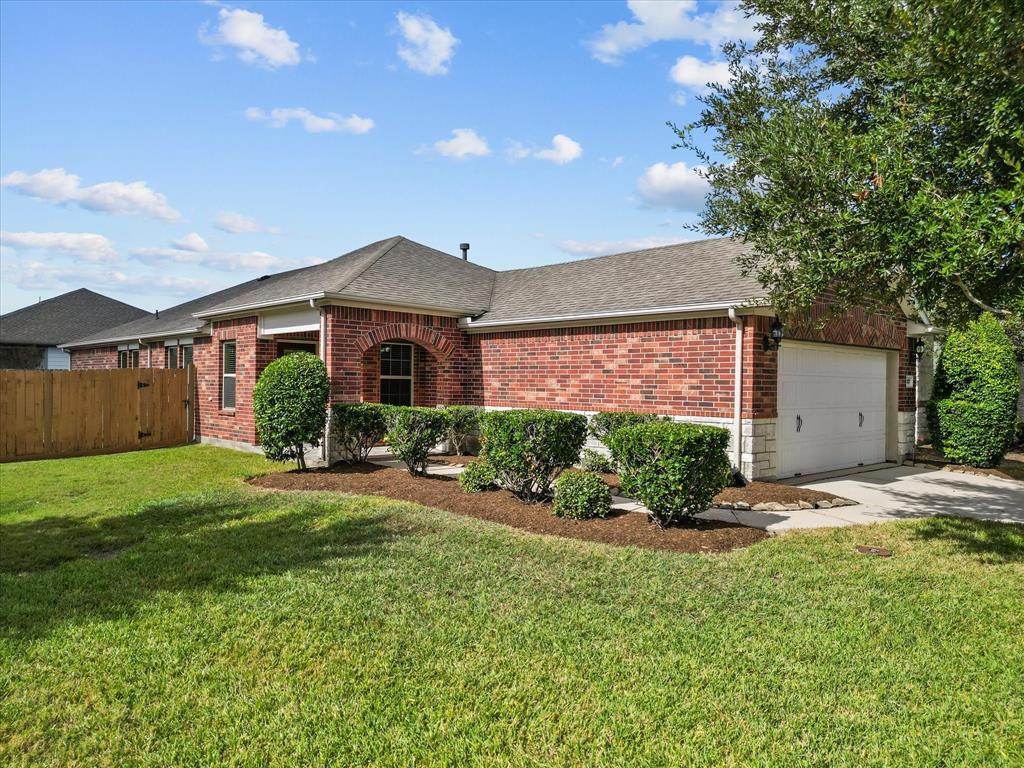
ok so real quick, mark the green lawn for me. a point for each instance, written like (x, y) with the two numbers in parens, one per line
(156, 611)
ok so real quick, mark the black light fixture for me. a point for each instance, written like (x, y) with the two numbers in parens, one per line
(777, 333)
(919, 348)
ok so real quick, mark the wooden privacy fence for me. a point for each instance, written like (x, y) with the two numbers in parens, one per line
(49, 414)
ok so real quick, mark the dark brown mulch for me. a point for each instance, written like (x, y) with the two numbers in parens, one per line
(623, 528)
(1011, 468)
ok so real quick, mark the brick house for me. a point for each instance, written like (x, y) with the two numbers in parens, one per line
(676, 330)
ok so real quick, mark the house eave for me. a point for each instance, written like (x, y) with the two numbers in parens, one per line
(192, 331)
(324, 298)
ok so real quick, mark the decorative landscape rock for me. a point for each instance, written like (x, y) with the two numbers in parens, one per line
(805, 505)
(823, 504)
(769, 506)
(741, 505)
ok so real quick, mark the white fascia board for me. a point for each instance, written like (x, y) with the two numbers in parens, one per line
(742, 305)
(134, 337)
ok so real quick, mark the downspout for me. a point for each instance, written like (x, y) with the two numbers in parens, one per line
(737, 392)
(323, 356)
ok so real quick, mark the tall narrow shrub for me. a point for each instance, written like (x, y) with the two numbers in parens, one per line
(289, 404)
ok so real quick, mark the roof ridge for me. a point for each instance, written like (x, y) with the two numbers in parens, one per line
(396, 238)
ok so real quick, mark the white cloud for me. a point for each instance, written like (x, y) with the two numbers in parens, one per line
(605, 247)
(231, 260)
(617, 161)
(658, 20)
(516, 150)
(464, 143)
(39, 275)
(254, 41)
(563, 150)
(193, 241)
(332, 123)
(690, 72)
(428, 48)
(58, 186)
(675, 186)
(86, 246)
(238, 224)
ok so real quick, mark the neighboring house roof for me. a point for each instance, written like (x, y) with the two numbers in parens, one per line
(400, 272)
(681, 276)
(53, 321)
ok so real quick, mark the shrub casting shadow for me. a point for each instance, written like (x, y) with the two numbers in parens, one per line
(59, 570)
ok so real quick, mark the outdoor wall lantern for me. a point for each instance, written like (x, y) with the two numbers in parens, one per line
(774, 340)
(919, 348)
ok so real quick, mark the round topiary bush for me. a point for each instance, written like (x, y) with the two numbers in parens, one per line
(289, 404)
(581, 496)
(477, 477)
(973, 412)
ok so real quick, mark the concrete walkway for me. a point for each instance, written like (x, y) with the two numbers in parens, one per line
(884, 495)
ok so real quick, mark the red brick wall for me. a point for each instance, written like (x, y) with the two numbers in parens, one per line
(97, 357)
(679, 367)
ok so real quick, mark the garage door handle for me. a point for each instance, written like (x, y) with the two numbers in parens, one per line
(799, 422)
(861, 424)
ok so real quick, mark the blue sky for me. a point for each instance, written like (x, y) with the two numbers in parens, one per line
(158, 151)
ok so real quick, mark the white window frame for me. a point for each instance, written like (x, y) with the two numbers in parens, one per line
(412, 368)
(223, 375)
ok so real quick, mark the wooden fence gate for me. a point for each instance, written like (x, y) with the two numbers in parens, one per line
(50, 414)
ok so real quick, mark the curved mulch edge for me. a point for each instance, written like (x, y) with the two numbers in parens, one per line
(629, 529)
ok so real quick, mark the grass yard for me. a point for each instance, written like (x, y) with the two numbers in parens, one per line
(154, 610)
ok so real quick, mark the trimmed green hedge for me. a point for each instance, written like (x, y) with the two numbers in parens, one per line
(673, 469)
(462, 427)
(973, 413)
(581, 496)
(528, 449)
(357, 427)
(412, 432)
(289, 405)
(604, 423)
(478, 476)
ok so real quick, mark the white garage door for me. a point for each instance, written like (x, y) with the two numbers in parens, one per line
(831, 408)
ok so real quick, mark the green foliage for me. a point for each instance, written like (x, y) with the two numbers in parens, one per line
(874, 150)
(605, 422)
(462, 427)
(973, 413)
(595, 461)
(357, 427)
(972, 433)
(529, 448)
(673, 469)
(289, 404)
(581, 495)
(412, 433)
(477, 476)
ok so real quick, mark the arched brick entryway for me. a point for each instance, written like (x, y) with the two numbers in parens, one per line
(430, 372)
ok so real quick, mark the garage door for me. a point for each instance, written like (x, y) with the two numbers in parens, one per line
(831, 408)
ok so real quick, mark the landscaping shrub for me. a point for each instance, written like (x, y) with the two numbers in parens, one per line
(581, 495)
(595, 461)
(412, 432)
(529, 448)
(289, 405)
(604, 423)
(973, 413)
(357, 427)
(462, 427)
(673, 469)
(477, 476)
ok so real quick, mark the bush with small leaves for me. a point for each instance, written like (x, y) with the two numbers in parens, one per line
(595, 461)
(289, 405)
(530, 448)
(581, 495)
(673, 469)
(478, 476)
(463, 427)
(604, 423)
(412, 433)
(357, 427)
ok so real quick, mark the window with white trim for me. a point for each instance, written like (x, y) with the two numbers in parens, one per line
(171, 357)
(227, 399)
(128, 358)
(396, 373)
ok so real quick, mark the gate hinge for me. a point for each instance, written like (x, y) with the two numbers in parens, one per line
(144, 434)
(142, 384)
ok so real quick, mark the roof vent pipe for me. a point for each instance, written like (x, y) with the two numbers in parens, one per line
(464, 247)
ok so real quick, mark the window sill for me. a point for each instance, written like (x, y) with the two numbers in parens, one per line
(226, 411)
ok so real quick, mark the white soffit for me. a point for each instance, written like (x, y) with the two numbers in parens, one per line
(289, 321)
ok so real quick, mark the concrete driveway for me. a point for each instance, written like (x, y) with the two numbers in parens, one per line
(900, 493)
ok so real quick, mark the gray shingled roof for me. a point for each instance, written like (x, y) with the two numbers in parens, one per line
(55, 320)
(402, 272)
(681, 275)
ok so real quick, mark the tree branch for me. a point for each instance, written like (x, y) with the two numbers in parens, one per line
(975, 300)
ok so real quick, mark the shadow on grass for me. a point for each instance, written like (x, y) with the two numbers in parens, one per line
(60, 570)
(996, 543)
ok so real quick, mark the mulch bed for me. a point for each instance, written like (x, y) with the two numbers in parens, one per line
(1011, 468)
(622, 528)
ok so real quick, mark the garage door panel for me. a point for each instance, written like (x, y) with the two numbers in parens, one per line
(831, 408)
